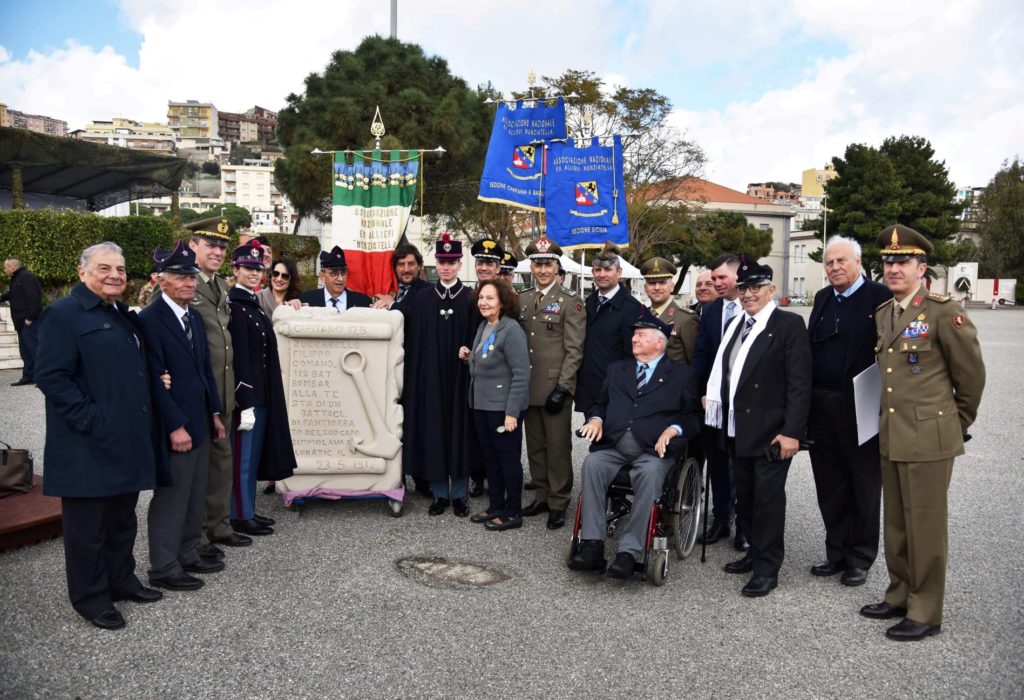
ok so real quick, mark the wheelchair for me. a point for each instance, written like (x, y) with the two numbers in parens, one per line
(674, 518)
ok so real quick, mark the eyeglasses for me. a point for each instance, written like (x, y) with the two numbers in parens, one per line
(751, 288)
(283, 275)
(334, 272)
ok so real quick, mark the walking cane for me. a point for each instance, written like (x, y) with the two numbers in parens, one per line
(707, 490)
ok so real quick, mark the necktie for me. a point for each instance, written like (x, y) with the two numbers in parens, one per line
(188, 328)
(214, 289)
(602, 299)
(746, 329)
(730, 311)
(897, 310)
(641, 375)
(402, 289)
(536, 304)
(334, 303)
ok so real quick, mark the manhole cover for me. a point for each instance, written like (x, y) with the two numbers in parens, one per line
(446, 573)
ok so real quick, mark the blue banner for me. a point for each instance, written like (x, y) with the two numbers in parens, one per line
(585, 194)
(514, 168)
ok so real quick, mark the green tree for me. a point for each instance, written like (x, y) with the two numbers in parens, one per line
(211, 168)
(422, 105)
(187, 216)
(238, 216)
(1001, 223)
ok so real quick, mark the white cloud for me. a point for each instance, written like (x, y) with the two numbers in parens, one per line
(948, 72)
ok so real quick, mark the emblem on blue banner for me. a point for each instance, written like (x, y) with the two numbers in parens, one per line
(585, 194)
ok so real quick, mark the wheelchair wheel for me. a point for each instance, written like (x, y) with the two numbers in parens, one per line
(658, 570)
(684, 520)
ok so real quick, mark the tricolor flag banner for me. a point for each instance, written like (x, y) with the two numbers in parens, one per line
(514, 167)
(586, 196)
(373, 199)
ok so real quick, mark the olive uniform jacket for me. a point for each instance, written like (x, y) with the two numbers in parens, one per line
(555, 326)
(683, 342)
(932, 378)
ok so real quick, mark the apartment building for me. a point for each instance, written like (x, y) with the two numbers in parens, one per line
(127, 133)
(32, 122)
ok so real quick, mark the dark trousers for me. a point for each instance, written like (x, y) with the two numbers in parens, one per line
(848, 480)
(723, 493)
(502, 456)
(28, 342)
(175, 517)
(99, 536)
(761, 509)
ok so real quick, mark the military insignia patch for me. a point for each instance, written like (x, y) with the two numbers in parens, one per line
(921, 317)
(586, 193)
(579, 307)
(958, 321)
(917, 300)
(523, 157)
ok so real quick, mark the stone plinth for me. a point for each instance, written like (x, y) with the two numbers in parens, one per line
(342, 379)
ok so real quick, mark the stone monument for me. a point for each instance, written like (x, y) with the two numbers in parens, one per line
(343, 380)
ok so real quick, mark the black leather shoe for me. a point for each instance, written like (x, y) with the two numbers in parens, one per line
(623, 566)
(476, 488)
(25, 382)
(251, 527)
(483, 516)
(883, 611)
(589, 557)
(740, 543)
(556, 519)
(827, 568)
(109, 619)
(234, 540)
(263, 520)
(529, 486)
(143, 595)
(439, 506)
(760, 586)
(269, 488)
(717, 531)
(460, 507)
(212, 551)
(535, 508)
(740, 566)
(423, 488)
(177, 582)
(202, 565)
(853, 577)
(504, 523)
(910, 631)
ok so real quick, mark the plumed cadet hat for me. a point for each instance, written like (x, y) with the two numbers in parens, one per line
(248, 255)
(646, 319)
(608, 256)
(543, 249)
(447, 248)
(508, 263)
(180, 259)
(897, 243)
(487, 250)
(333, 259)
(658, 269)
(215, 229)
(750, 273)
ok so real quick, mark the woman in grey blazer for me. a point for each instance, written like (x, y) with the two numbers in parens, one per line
(499, 370)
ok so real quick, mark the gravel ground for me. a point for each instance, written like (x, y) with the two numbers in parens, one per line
(322, 609)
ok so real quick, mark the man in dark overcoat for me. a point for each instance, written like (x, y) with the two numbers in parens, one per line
(190, 411)
(611, 311)
(103, 441)
(26, 298)
(847, 475)
(334, 275)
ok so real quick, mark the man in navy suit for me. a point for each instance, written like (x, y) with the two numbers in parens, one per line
(189, 410)
(715, 317)
(643, 416)
(847, 475)
(334, 275)
(758, 396)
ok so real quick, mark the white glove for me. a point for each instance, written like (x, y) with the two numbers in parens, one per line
(247, 419)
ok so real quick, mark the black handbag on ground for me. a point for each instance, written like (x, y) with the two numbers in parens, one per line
(15, 470)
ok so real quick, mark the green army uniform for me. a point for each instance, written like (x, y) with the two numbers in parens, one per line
(683, 341)
(555, 324)
(932, 380)
(146, 293)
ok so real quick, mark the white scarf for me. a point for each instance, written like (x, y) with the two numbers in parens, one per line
(713, 411)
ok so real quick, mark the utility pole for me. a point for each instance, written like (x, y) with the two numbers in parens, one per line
(394, 19)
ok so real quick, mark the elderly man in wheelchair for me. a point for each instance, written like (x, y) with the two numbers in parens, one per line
(647, 411)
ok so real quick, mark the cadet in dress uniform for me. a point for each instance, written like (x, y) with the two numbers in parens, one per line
(556, 326)
(658, 278)
(932, 379)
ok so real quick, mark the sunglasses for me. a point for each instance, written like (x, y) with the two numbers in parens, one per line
(283, 275)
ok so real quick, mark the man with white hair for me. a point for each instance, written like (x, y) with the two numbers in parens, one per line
(847, 475)
(645, 413)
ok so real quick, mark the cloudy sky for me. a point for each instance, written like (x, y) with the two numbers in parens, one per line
(767, 88)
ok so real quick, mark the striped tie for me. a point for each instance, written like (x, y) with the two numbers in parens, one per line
(746, 329)
(334, 303)
(188, 328)
(641, 375)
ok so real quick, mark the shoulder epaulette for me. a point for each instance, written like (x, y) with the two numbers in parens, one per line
(528, 289)
(938, 297)
(890, 300)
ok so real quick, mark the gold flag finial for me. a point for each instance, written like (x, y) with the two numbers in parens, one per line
(531, 77)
